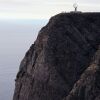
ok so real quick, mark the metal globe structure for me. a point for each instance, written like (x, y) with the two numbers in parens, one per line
(75, 5)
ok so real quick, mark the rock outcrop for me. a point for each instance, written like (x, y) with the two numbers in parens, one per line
(88, 86)
(64, 61)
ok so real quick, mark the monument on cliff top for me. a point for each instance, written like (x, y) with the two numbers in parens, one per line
(75, 5)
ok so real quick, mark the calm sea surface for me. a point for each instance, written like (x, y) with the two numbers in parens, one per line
(16, 36)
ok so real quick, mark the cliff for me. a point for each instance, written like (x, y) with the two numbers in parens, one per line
(64, 61)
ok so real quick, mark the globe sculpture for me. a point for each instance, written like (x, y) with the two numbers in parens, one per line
(75, 5)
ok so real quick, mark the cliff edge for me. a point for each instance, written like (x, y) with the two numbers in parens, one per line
(64, 61)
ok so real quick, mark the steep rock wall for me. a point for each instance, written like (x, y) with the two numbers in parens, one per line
(61, 53)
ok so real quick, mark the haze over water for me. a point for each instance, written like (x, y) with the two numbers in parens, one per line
(16, 36)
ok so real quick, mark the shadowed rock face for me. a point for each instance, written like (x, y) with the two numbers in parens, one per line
(88, 86)
(60, 55)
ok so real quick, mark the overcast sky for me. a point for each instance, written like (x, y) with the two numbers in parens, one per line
(42, 9)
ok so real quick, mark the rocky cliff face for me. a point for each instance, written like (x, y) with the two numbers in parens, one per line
(64, 61)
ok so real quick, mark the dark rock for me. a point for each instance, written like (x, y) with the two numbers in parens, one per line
(88, 86)
(62, 52)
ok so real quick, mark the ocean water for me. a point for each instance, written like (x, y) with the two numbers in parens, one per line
(16, 36)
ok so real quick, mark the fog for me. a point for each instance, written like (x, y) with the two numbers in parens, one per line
(16, 36)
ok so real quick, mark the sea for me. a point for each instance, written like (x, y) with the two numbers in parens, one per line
(16, 36)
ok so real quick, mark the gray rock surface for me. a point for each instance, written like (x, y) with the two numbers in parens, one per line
(60, 56)
(88, 86)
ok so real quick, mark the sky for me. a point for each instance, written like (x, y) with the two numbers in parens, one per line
(43, 9)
